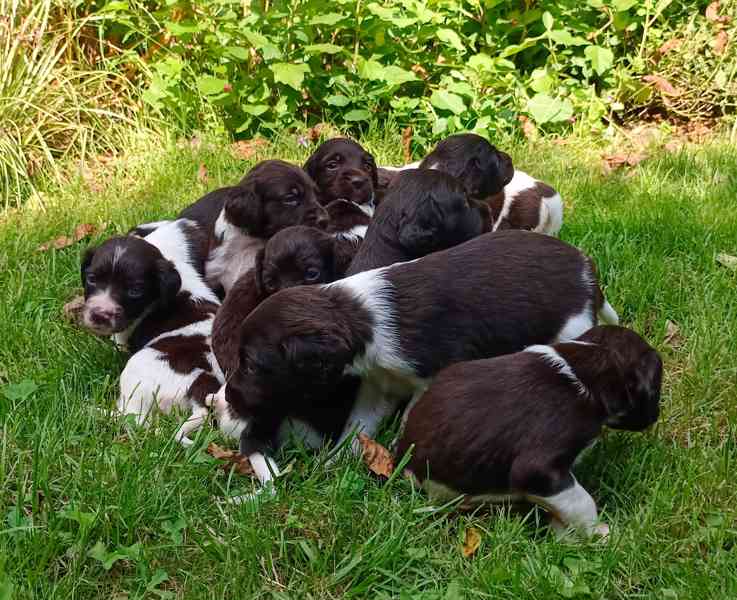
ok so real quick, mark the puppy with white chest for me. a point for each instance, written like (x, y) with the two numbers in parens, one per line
(397, 326)
(516, 200)
(423, 212)
(150, 294)
(272, 196)
(512, 427)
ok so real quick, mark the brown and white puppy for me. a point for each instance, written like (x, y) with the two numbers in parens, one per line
(151, 296)
(423, 212)
(517, 201)
(272, 196)
(343, 170)
(512, 426)
(347, 220)
(397, 326)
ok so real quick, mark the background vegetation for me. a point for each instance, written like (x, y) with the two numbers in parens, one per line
(73, 69)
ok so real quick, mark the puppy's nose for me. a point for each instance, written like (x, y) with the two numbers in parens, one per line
(358, 182)
(101, 316)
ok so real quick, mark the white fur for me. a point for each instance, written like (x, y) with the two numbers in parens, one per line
(577, 324)
(559, 363)
(573, 507)
(551, 207)
(101, 300)
(368, 209)
(235, 254)
(413, 165)
(118, 254)
(152, 226)
(608, 315)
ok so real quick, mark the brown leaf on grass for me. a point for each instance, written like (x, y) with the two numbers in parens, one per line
(528, 127)
(73, 309)
(377, 458)
(407, 143)
(673, 337)
(671, 44)
(712, 13)
(662, 84)
(80, 232)
(471, 542)
(727, 260)
(246, 149)
(720, 42)
(614, 161)
(419, 70)
(232, 459)
(314, 133)
(202, 176)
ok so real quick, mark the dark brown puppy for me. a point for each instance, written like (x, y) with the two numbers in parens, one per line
(398, 326)
(272, 196)
(423, 212)
(343, 170)
(348, 219)
(512, 427)
(295, 256)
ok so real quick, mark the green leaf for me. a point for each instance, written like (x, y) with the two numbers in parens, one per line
(622, 5)
(289, 74)
(563, 37)
(394, 75)
(357, 115)
(174, 530)
(256, 109)
(513, 49)
(452, 38)
(547, 20)
(601, 59)
(6, 589)
(546, 109)
(210, 86)
(261, 43)
(18, 392)
(481, 62)
(370, 69)
(445, 100)
(387, 14)
(183, 28)
(85, 520)
(108, 559)
(327, 19)
(338, 100)
(236, 52)
(323, 49)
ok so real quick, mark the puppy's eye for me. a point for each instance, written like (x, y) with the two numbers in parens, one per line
(312, 274)
(90, 279)
(332, 165)
(292, 197)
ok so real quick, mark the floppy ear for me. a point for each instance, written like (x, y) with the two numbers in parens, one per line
(613, 391)
(644, 383)
(320, 357)
(86, 262)
(419, 230)
(312, 164)
(343, 252)
(169, 282)
(244, 208)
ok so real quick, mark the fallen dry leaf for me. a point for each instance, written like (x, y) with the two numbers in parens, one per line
(671, 44)
(73, 309)
(673, 337)
(727, 260)
(246, 149)
(662, 84)
(720, 42)
(614, 161)
(419, 70)
(471, 542)
(202, 174)
(232, 459)
(377, 458)
(528, 127)
(407, 143)
(712, 13)
(80, 232)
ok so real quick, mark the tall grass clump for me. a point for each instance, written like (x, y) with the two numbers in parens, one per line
(53, 104)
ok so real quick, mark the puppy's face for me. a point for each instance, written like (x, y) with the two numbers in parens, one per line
(296, 256)
(632, 393)
(433, 212)
(123, 278)
(343, 169)
(275, 195)
(482, 168)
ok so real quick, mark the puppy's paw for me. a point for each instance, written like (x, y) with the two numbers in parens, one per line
(601, 531)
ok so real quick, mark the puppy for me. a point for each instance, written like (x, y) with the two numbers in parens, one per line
(511, 427)
(343, 170)
(272, 196)
(151, 296)
(348, 220)
(397, 326)
(423, 212)
(517, 201)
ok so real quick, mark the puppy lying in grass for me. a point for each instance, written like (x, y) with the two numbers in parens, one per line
(511, 427)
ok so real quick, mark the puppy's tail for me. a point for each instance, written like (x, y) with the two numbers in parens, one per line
(604, 311)
(551, 209)
(607, 314)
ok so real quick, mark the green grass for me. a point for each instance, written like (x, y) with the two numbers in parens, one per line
(76, 487)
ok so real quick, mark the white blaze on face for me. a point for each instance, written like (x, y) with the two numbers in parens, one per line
(101, 301)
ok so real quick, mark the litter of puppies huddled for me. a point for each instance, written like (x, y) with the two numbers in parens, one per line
(316, 303)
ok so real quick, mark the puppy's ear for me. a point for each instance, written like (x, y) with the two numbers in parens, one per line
(312, 165)
(319, 357)
(343, 252)
(258, 272)
(644, 383)
(86, 262)
(244, 208)
(169, 282)
(420, 229)
(613, 390)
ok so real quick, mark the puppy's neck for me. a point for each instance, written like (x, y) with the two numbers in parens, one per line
(590, 362)
(232, 253)
(381, 248)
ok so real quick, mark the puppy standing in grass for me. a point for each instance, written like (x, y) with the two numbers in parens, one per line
(150, 295)
(511, 427)
(397, 326)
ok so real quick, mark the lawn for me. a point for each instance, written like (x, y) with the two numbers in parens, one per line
(95, 508)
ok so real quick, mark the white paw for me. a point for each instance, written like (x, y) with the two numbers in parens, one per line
(601, 531)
